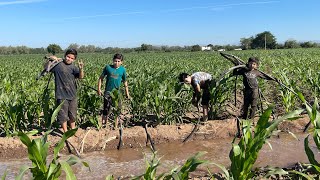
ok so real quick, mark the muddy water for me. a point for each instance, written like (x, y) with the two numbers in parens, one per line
(286, 151)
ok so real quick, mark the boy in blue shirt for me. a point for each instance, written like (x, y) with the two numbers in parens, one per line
(114, 74)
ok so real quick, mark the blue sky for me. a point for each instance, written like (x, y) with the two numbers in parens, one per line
(129, 23)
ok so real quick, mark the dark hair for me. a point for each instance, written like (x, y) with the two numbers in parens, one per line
(71, 51)
(253, 59)
(118, 56)
(183, 76)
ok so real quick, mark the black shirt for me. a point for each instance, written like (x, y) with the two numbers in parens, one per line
(65, 80)
(250, 77)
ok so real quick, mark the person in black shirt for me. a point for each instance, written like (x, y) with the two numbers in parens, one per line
(251, 89)
(65, 74)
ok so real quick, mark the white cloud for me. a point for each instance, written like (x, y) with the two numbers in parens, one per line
(19, 2)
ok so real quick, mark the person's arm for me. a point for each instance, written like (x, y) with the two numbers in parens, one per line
(99, 85)
(104, 72)
(126, 89)
(196, 94)
(81, 73)
(263, 76)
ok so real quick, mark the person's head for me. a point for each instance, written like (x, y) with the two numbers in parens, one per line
(117, 60)
(185, 78)
(70, 55)
(253, 63)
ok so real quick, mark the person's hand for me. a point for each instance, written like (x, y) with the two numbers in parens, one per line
(99, 92)
(53, 58)
(129, 97)
(81, 64)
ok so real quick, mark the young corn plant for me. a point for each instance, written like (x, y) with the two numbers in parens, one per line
(219, 94)
(38, 154)
(314, 116)
(178, 173)
(288, 97)
(89, 107)
(116, 105)
(244, 154)
(313, 80)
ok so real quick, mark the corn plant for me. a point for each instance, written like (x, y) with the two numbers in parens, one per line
(178, 173)
(116, 97)
(244, 154)
(219, 94)
(38, 152)
(89, 107)
(314, 116)
(189, 166)
(314, 81)
(288, 97)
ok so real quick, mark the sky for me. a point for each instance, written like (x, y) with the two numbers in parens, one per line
(130, 23)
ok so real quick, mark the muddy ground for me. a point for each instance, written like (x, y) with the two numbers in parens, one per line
(87, 140)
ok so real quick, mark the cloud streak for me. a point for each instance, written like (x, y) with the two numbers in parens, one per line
(19, 2)
(104, 15)
(214, 8)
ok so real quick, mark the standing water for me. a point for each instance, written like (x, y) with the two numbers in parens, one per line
(286, 151)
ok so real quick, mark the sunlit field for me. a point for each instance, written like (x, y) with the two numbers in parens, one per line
(26, 104)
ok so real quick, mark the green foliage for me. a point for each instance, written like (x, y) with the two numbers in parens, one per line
(54, 49)
(291, 43)
(263, 39)
(178, 173)
(151, 169)
(244, 154)
(219, 94)
(289, 98)
(195, 48)
(38, 152)
(309, 44)
(189, 166)
(146, 47)
(153, 85)
(314, 116)
(246, 43)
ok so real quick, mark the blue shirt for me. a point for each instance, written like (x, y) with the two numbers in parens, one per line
(114, 77)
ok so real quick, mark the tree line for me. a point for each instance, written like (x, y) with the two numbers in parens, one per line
(264, 40)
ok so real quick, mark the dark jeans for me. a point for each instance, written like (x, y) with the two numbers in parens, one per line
(206, 92)
(250, 99)
(107, 104)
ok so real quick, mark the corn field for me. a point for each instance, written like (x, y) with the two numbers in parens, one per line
(27, 104)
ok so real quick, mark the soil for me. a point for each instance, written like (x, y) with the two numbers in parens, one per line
(87, 140)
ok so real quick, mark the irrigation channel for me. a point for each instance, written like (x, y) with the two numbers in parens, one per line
(286, 151)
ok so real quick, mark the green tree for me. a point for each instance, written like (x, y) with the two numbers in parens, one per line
(54, 48)
(308, 44)
(264, 40)
(246, 42)
(210, 45)
(195, 48)
(146, 47)
(291, 43)
(73, 46)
